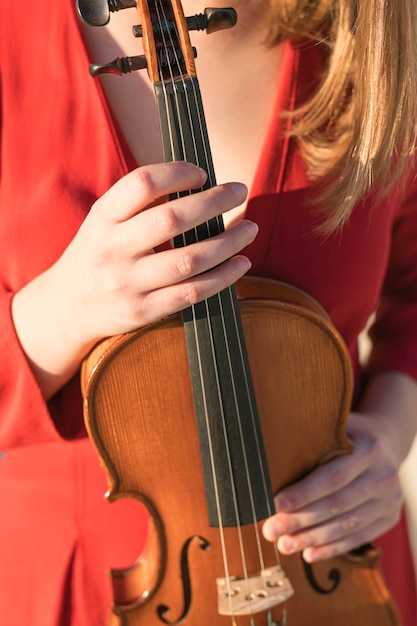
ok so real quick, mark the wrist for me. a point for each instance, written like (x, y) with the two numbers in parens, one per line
(390, 406)
(46, 326)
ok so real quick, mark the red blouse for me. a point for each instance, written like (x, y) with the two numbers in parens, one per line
(59, 150)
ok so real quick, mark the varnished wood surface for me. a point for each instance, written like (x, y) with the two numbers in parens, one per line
(140, 416)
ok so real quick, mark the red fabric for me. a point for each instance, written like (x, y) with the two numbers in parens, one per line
(59, 150)
(61, 536)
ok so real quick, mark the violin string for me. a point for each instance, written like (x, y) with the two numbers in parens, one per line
(199, 358)
(162, 17)
(161, 20)
(248, 395)
(235, 317)
(247, 376)
(249, 400)
(200, 115)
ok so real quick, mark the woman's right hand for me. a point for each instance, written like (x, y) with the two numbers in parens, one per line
(110, 280)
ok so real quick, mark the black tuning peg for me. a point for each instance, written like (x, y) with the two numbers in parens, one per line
(215, 20)
(120, 66)
(212, 20)
(97, 12)
(123, 65)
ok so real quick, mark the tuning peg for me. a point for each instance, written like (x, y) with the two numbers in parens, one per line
(212, 20)
(97, 12)
(120, 66)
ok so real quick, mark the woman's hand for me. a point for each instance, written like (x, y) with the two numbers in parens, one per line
(355, 498)
(110, 280)
(111, 269)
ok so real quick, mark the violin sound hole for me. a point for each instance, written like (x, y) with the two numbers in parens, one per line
(334, 576)
(163, 609)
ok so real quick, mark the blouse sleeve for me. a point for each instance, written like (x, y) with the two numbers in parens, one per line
(24, 415)
(394, 332)
(58, 154)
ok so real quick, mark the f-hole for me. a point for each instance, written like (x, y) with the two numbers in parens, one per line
(333, 576)
(163, 609)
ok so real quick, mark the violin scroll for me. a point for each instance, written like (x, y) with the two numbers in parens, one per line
(97, 13)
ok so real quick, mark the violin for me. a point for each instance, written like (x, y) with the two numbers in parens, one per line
(205, 415)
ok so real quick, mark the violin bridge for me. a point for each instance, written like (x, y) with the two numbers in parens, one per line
(244, 596)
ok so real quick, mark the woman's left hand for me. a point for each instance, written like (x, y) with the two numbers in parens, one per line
(345, 503)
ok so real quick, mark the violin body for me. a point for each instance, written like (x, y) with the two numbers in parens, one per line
(140, 416)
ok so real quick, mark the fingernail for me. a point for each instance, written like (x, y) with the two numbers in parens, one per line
(273, 530)
(308, 555)
(287, 545)
(203, 174)
(244, 264)
(252, 229)
(239, 189)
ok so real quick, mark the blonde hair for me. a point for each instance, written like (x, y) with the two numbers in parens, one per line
(358, 131)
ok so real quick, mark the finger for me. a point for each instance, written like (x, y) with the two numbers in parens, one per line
(329, 478)
(173, 266)
(357, 524)
(378, 484)
(163, 222)
(349, 542)
(338, 530)
(144, 185)
(180, 296)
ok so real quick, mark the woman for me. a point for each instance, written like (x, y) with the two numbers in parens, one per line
(332, 192)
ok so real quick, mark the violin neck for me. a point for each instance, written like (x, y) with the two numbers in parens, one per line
(237, 484)
(183, 124)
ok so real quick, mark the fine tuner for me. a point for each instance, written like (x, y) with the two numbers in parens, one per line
(97, 13)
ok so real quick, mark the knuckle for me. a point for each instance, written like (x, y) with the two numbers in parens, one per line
(100, 255)
(192, 294)
(167, 220)
(336, 503)
(336, 478)
(144, 181)
(115, 284)
(186, 264)
(104, 270)
(136, 313)
(350, 523)
(373, 447)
